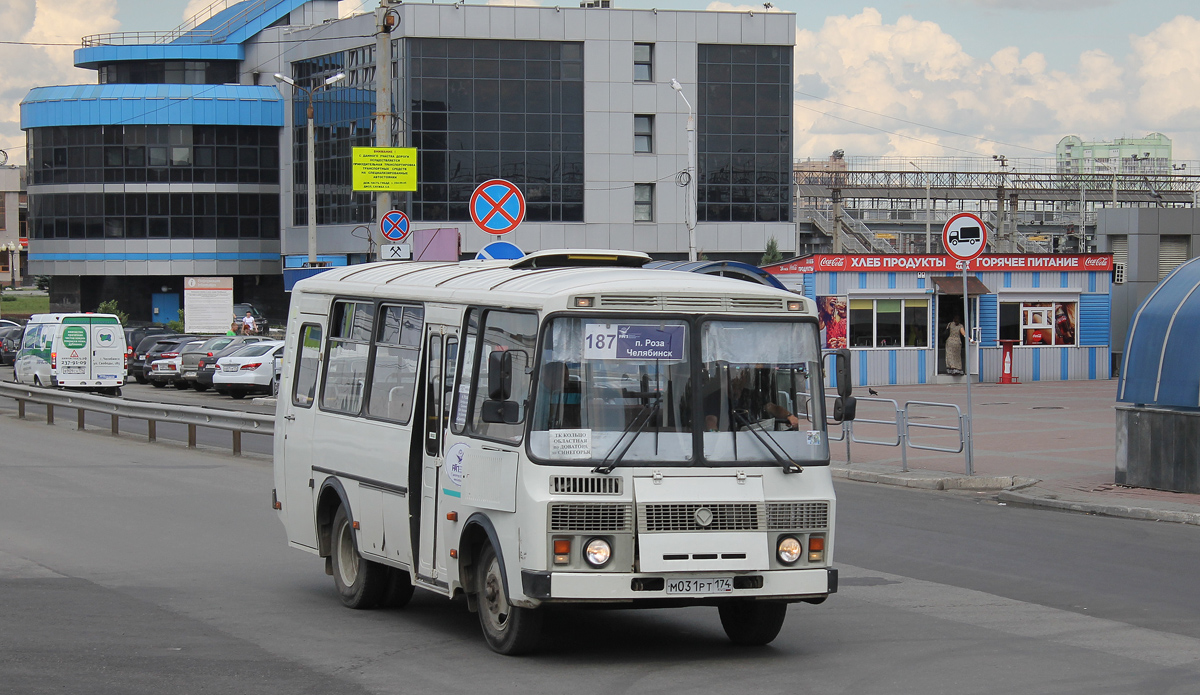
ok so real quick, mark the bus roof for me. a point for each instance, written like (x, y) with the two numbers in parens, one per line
(497, 282)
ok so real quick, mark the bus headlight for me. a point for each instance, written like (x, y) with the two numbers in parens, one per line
(790, 549)
(597, 552)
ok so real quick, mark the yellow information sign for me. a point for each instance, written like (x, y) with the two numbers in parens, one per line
(384, 168)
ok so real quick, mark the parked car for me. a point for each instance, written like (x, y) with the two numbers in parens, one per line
(157, 351)
(207, 364)
(167, 368)
(249, 370)
(10, 341)
(137, 360)
(134, 335)
(261, 325)
(6, 322)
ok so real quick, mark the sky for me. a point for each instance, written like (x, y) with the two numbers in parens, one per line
(899, 78)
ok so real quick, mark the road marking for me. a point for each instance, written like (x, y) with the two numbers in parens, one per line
(1019, 618)
(13, 567)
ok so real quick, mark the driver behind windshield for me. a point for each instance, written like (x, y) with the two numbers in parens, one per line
(734, 396)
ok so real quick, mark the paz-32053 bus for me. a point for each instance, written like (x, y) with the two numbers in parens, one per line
(566, 428)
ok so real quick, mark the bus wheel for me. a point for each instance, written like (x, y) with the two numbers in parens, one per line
(752, 623)
(360, 582)
(400, 589)
(508, 629)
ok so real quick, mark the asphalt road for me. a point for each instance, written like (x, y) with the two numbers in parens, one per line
(127, 567)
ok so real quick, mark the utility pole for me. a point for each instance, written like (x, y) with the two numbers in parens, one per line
(386, 19)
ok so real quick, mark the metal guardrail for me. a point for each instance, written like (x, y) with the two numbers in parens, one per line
(904, 426)
(235, 422)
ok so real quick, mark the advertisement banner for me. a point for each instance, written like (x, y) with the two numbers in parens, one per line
(207, 304)
(853, 262)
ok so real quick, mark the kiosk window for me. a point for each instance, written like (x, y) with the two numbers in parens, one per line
(504, 331)
(304, 388)
(346, 364)
(397, 353)
(889, 323)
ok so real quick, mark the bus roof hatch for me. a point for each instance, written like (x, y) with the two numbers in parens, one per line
(576, 258)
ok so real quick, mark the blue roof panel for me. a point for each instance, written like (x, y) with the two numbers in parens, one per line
(1160, 366)
(159, 104)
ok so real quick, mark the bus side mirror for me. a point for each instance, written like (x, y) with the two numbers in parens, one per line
(500, 375)
(503, 412)
(844, 408)
(845, 384)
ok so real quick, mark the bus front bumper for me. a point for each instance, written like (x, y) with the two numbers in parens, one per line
(586, 587)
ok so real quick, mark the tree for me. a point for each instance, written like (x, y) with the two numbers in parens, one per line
(110, 307)
(772, 254)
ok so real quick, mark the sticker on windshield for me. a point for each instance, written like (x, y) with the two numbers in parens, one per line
(814, 437)
(570, 444)
(610, 341)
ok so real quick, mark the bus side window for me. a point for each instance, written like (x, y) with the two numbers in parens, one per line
(394, 372)
(345, 378)
(304, 386)
(515, 333)
(448, 377)
(461, 399)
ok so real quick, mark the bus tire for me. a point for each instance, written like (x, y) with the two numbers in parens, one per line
(360, 583)
(400, 589)
(752, 623)
(508, 629)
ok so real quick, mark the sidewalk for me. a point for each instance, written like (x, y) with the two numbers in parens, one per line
(1046, 444)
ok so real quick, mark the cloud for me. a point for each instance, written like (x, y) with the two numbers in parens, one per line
(913, 72)
(43, 21)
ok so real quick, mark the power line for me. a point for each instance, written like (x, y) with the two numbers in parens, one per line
(920, 125)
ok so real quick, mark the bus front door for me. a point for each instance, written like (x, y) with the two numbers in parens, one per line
(441, 352)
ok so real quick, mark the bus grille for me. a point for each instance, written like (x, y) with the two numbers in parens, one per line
(584, 485)
(756, 304)
(797, 515)
(743, 516)
(590, 517)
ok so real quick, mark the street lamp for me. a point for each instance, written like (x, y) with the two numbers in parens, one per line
(689, 210)
(928, 237)
(310, 153)
(14, 262)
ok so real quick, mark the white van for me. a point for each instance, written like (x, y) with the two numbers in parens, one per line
(72, 350)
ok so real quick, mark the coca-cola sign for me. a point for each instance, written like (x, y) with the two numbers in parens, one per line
(852, 262)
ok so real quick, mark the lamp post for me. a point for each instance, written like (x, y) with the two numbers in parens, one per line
(14, 262)
(310, 155)
(689, 210)
(928, 213)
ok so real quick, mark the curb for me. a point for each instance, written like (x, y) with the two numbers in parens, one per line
(1116, 510)
(930, 480)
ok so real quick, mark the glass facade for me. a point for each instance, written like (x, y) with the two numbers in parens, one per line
(744, 133)
(169, 72)
(154, 215)
(153, 154)
(342, 120)
(496, 109)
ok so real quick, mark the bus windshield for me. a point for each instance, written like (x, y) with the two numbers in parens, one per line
(606, 385)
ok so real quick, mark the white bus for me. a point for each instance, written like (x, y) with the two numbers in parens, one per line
(566, 428)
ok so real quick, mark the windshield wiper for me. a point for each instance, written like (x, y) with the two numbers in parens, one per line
(647, 413)
(754, 427)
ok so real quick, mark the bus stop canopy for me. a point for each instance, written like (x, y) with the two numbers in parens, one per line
(1160, 366)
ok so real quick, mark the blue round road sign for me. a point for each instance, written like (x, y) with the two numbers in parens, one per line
(394, 225)
(499, 250)
(497, 206)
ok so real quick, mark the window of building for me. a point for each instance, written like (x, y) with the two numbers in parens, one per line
(496, 109)
(643, 133)
(1172, 253)
(1038, 323)
(169, 72)
(744, 140)
(304, 388)
(157, 215)
(394, 371)
(643, 62)
(643, 202)
(513, 333)
(345, 378)
(889, 323)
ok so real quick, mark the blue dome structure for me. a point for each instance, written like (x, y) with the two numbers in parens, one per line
(1160, 366)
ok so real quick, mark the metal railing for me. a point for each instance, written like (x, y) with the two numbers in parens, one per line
(902, 422)
(235, 422)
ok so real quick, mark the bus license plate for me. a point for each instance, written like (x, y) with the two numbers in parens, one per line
(700, 585)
